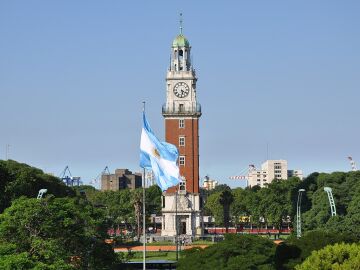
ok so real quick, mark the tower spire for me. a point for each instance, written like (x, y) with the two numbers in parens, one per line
(181, 25)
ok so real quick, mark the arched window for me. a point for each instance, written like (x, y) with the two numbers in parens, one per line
(181, 57)
(182, 185)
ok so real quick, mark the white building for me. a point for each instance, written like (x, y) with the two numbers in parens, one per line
(209, 184)
(270, 170)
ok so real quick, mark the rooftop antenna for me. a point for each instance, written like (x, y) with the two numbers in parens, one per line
(181, 24)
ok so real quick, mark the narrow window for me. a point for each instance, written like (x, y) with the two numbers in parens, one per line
(181, 141)
(182, 161)
(181, 123)
(181, 57)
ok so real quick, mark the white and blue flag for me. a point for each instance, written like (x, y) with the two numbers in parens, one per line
(160, 157)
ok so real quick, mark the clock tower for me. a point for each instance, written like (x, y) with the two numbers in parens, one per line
(182, 112)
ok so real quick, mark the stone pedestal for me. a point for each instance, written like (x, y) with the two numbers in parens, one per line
(188, 215)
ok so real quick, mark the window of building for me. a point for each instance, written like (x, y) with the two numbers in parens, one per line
(181, 141)
(182, 161)
(182, 186)
(181, 123)
(181, 107)
(163, 201)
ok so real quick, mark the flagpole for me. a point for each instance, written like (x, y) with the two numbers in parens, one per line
(144, 219)
(176, 225)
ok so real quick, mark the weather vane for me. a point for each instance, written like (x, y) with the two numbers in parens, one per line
(181, 26)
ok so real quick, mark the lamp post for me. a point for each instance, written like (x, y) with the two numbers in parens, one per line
(328, 190)
(41, 193)
(298, 213)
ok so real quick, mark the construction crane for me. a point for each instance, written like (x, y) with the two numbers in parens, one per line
(352, 163)
(250, 169)
(96, 180)
(68, 179)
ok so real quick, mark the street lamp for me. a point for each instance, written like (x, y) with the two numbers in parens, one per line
(298, 213)
(328, 190)
(41, 193)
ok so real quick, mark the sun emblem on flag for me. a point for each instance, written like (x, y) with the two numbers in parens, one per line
(156, 153)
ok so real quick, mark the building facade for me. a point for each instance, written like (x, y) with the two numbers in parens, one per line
(270, 170)
(181, 113)
(121, 179)
(209, 184)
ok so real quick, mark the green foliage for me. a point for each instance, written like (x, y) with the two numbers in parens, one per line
(219, 188)
(278, 200)
(226, 199)
(346, 192)
(214, 208)
(119, 205)
(338, 256)
(17, 179)
(295, 251)
(54, 233)
(235, 252)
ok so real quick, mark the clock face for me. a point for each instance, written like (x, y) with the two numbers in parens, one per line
(181, 89)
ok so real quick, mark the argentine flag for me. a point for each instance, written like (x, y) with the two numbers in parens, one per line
(160, 157)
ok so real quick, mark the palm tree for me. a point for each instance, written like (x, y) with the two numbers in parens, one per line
(226, 199)
(137, 201)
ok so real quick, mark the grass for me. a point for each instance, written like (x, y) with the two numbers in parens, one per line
(161, 243)
(203, 242)
(154, 255)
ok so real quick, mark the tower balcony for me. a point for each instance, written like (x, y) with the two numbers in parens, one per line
(179, 110)
(181, 74)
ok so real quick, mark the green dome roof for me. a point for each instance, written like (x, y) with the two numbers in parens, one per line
(181, 41)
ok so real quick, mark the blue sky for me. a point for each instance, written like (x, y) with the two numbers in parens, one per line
(285, 74)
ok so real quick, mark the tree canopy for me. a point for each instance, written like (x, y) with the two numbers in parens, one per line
(59, 233)
(294, 251)
(18, 179)
(235, 252)
(276, 203)
(339, 256)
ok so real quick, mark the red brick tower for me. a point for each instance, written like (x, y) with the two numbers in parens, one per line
(182, 210)
(182, 112)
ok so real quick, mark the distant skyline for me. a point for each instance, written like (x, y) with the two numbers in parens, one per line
(276, 79)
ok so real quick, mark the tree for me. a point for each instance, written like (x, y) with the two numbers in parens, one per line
(17, 179)
(119, 205)
(137, 200)
(279, 200)
(214, 208)
(226, 199)
(153, 200)
(235, 252)
(294, 251)
(219, 188)
(345, 187)
(55, 232)
(241, 203)
(338, 256)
